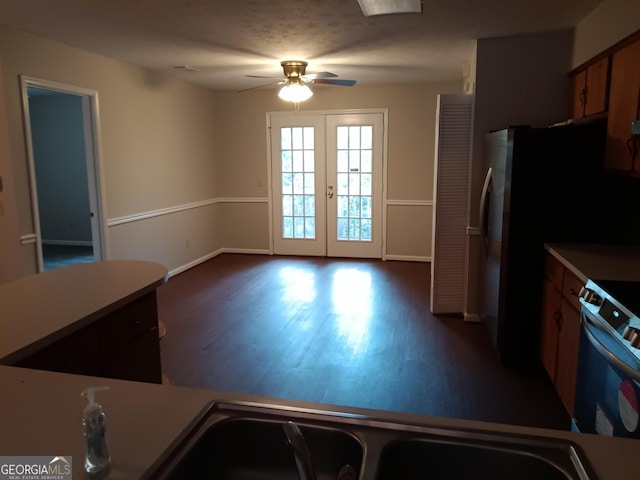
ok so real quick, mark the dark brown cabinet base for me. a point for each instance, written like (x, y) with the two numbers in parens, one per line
(123, 344)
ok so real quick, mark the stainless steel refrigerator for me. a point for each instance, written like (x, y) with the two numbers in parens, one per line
(541, 185)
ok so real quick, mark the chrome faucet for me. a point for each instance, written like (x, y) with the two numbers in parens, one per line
(300, 451)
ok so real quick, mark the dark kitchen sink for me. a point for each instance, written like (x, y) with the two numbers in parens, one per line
(247, 441)
(463, 459)
(257, 449)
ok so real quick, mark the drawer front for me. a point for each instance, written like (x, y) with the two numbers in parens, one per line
(571, 288)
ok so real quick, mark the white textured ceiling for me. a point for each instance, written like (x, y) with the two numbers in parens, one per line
(226, 39)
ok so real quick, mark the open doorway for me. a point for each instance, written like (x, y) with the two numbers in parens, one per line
(60, 126)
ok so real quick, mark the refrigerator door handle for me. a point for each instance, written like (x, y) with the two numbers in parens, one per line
(484, 206)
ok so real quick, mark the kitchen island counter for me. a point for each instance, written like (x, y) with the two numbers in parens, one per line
(40, 309)
(40, 414)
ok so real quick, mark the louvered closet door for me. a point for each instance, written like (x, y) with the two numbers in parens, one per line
(450, 218)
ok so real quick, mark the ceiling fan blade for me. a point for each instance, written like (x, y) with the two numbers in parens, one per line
(313, 76)
(335, 81)
(262, 76)
(261, 86)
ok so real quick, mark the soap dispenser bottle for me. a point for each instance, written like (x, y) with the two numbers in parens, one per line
(97, 458)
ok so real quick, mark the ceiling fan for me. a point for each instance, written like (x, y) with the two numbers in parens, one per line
(295, 87)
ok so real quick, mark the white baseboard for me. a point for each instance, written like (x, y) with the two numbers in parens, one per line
(209, 256)
(250, 251)
(408, 258)
(471, 317)
(197, 261)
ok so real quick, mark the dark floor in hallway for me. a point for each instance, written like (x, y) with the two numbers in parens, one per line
(340, 331)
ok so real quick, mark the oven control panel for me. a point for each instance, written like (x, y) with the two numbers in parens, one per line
(615, 318)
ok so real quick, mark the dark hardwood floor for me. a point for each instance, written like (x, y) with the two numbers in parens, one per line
(344, 332)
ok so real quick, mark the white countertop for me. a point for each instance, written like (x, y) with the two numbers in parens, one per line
(599, 262)
(41, 412)
(39, 309)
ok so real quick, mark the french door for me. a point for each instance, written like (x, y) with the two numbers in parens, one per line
(326, 175)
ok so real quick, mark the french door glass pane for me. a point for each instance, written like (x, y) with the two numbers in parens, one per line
(353, 183)
(297, 164)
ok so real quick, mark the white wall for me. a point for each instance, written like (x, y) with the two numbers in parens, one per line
(610, 22)
(243, 157)
(184, 169)
(10, 266)
(158, 147)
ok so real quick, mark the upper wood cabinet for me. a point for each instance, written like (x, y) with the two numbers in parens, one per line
(590, 89)
(623, 149)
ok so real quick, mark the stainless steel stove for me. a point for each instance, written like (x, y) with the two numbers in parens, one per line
(616, 305)
(608, 381)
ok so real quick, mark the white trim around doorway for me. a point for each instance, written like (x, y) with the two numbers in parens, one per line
(94, 162)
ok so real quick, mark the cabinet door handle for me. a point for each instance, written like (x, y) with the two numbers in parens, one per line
(583, 97)
(557, 316)
(631, 144)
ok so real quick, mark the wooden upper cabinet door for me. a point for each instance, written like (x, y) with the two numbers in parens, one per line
(589, 89)
(624, 99)
(596, 87)
(578, 94)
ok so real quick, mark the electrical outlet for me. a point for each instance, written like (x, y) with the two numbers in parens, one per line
(187, 243)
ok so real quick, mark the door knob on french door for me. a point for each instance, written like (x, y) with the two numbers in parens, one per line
(330, 191)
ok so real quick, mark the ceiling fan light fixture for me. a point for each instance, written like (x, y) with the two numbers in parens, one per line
(389, 7)
(295, 91)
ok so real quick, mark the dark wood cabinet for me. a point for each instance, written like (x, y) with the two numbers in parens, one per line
(130, 347)
(560, 329)
(549, 327)
(75, 353)
(567, 359)
(590, 89)
(123, 344)
(623, 149)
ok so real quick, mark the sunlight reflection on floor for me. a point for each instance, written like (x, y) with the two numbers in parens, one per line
(299, 290)
(352, 298)
(298, 285)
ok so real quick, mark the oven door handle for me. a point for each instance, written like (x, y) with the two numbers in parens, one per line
(611, 357)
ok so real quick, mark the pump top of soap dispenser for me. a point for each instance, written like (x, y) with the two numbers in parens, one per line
(92, 406)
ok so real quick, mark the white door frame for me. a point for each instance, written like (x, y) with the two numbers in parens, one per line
(91, 129)
(270, 160)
